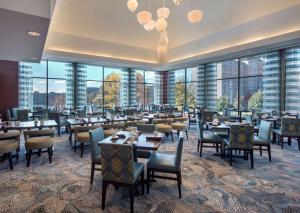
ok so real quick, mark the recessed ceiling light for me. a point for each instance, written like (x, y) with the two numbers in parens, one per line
(33, 33)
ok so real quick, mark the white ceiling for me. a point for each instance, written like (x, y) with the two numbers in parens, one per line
(105, 32)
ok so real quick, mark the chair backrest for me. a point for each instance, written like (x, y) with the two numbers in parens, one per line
(161, 121)
(249, 119)
(117, 162)
(96, 136)
(265, 131)
(179, 153)
(199, 129)
(22, 115)
(8, 114)
(207, 116)
(290, 127)
(223, 119)
(149, 128)
(78, 129)
(54, 116)
(38, 133)
(241, 136)
(81, 112)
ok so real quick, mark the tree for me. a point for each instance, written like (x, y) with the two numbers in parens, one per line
(191, 95)
(222, 103)
(256, 101)
(179, 94)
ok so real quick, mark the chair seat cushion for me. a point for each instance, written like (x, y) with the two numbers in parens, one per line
(138, 168)
(163, 128)
(259, 141)
(7, 146)
(9, 134)
(277, 131)
(209, 136)
(39, 142)
(109, 132)
(178, 126)
(83, 137)
(162, 161)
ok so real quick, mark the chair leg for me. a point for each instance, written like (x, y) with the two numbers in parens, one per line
(39, 152)
(217, 147)
(75, 145)
(251, 157)
(260, 150)
(299, 143)
(148, 180)
(50, 154)
(198, 145)
(104, 187)
(29, 157)
(17, 155)
(179, 183)
(11, 165)
(178, 133)
(131, 198)
(81, 147)
(281, 140)
(142, 182)
(187, 135)
(230, 156)
(200, 148)
(172, 136)
(269, 152)
(92, 173)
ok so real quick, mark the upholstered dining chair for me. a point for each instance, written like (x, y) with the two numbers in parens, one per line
(10, 143)
(119, 169)
(221, 132)
(290, 128)
(241, 137)
(82, 136)
(163, 125)
(38, 140)
(166, 163)
(264, 138)
(207, 138)
(207, 116)
(149, 128)
(22, 115)
(96, 136)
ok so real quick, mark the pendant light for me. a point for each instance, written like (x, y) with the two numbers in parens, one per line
(195, 16)
(132, 5)
(144, 17)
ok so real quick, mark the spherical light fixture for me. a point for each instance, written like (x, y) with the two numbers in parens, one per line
(144, 17)
(163, 12)
(178, 2)
(150, 25)
(161, 24)
(195, 16)
(132, 5)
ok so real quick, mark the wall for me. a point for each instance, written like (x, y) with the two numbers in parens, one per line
(8, 86)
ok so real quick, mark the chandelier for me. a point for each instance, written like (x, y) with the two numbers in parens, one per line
(149, 23)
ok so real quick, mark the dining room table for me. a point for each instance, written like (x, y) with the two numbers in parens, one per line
(143, 141)
(95, 120)
(21, 125)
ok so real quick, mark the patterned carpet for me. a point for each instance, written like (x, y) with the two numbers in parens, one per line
(209, 184)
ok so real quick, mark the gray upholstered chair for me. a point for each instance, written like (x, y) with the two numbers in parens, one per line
(241, 137)
(264, 138)
(290, 128)
(22, 115)
(119, 169)
(96, 136)
(39, 139)
(207, 137)
(221, 132)
(60, 120)
(9, 143)
(149, 128)
(166, 163)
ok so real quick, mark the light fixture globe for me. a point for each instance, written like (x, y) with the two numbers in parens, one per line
(163, 12)
(150, 25)
(178, 2)
(144, 17)
(195, 16)
(161, 25)
(132, 5)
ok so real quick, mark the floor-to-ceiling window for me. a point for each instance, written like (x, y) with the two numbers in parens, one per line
(94, 85)
(149, 87)
(140, 88)
(191, 86)
(146, 87)
(46, 84)
(292, 67)
(180, 88)
(112, 87)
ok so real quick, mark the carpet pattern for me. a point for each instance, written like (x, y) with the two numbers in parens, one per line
(209, 183)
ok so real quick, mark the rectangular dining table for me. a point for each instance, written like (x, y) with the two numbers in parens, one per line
(145, 141)
(20, 125)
